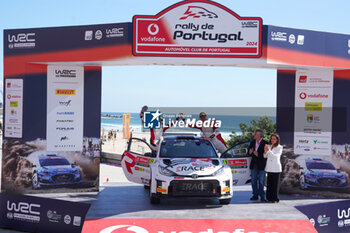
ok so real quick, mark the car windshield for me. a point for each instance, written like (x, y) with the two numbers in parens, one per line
(187, 148)
(53, 162)
(322, 165)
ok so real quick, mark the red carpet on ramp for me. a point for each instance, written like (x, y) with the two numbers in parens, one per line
(197, 226)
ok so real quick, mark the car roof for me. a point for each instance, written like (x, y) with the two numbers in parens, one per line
(316, 160)
(49, 156)
(181, 136)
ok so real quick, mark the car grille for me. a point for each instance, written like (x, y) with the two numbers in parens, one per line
(63, 178)
(199, 188)
(328, 181)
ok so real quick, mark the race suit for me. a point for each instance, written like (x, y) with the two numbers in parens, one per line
(156, 134)
(214, 135)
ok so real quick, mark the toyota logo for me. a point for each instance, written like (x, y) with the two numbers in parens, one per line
(194, 176)
(153, 29)
(120, 229)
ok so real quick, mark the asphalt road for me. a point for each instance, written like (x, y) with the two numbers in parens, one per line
(119, 198)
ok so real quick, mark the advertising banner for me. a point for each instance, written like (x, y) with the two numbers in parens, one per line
(65, 108)
(328, 217)
(13, 108)
(36, 214)
(197, 29)
(313, 112)
(28, 167)
(126, 125)
(197, 225)
(290, 46)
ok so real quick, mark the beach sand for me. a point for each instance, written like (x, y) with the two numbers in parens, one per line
(118, 145)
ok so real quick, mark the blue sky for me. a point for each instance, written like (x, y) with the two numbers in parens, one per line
(128, 88)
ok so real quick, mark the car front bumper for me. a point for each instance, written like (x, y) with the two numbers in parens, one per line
(217, 187)
(321, 182)
(59, 179)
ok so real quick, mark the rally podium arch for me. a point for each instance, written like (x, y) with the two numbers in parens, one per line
(52, 80)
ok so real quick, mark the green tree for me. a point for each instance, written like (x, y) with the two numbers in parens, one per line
(263, 123)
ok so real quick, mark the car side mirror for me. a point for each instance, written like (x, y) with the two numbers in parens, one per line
(152, 154)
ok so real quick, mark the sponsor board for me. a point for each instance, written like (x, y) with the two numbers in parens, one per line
(313, 112)
(197, 226)
(197, 29)
(13, 108)
(65, 108)
(328, 217)
(36, 214)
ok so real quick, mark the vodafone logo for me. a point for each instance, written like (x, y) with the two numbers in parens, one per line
(9, 96)
(123, 229)
(153, 29)
(302, 95)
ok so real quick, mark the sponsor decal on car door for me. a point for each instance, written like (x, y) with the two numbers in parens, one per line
(136, 161)
(237, 159)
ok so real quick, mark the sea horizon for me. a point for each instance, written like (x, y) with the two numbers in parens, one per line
(229, 123)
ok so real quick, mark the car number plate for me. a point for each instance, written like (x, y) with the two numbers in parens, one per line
(198, 186)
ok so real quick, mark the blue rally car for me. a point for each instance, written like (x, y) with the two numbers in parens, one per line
(53, 169)
(320, 173)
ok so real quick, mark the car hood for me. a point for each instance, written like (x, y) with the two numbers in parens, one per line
(60, 168)
(184, 167)
(325, 172)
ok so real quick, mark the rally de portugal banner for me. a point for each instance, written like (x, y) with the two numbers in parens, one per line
(197, 28)
(65, 103)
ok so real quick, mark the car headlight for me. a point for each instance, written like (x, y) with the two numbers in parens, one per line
(166, 172)
(219, 172)
(312, 176)
(77, 171)
(45, 173)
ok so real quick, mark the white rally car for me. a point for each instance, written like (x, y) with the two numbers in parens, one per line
(185, 166)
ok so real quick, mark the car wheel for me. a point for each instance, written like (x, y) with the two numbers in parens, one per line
(153, 199)
(35, 181)
(225, 201)
(302, 182)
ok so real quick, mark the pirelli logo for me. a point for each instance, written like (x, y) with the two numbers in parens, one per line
(65, 91)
